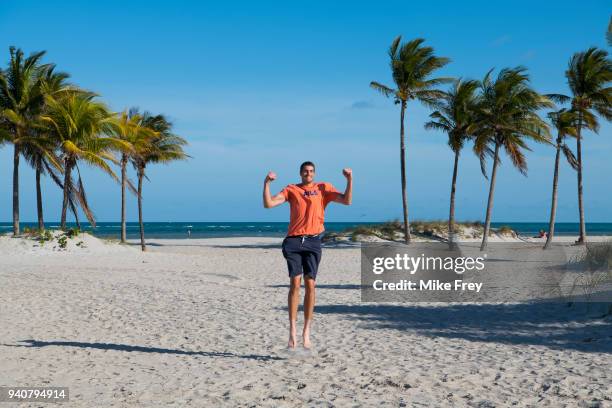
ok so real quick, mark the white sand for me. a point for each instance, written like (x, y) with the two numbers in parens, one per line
(202, 323)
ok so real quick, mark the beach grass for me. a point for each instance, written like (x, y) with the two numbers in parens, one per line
(437, 229)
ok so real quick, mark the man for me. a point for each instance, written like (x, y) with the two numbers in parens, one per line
(302, 246)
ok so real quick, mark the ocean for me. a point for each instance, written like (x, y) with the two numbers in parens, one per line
(278, 229)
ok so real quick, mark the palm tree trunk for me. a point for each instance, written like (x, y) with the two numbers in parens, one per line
(487, 226)
(75, 212)
(16, 190)
(403, 170)
(582, 237)
(553, 206)
(68, 170)
(142, 239)
(451, 214)
(123, 181)
(39, 207)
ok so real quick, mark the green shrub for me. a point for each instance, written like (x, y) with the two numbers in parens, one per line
(62, 241)
(72, 232)
(45, 236)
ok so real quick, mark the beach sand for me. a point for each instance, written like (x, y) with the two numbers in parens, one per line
(203, 323)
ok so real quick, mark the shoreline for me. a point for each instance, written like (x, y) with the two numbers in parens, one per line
(179, 230)
(236, 240)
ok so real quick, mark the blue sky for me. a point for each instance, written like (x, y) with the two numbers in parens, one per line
(255, 86)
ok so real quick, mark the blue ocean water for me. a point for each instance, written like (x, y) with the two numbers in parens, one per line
(279, 229)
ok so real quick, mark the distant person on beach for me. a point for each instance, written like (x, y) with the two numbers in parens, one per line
(541, 234)
(302, 245)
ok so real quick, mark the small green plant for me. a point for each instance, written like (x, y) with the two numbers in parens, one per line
(45, 236)
(72, 232)
(62, 241)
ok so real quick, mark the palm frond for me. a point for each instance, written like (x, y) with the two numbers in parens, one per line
(559, 98)
(82, 199)
(383, 89)
(569, 155)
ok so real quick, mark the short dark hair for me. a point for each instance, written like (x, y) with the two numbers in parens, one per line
(306, 163)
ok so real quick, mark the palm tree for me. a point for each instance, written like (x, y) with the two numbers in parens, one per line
(564, 121)
(588, 76)
(455, 116)
(21, 99)
(412, 65)
(41, 152)
(507, 116)
(128, 127)
(79, 122)
(41, 156)
(163, 148)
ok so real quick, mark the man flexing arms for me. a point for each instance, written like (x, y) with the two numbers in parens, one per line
(302, 245)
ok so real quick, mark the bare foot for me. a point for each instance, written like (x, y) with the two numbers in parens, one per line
(292, 342)
(306, 338)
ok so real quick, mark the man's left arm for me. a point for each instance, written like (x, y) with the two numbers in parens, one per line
(347, 197)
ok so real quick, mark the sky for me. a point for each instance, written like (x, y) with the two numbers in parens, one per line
(259, 86)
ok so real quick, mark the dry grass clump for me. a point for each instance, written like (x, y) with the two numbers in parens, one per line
(505, 230)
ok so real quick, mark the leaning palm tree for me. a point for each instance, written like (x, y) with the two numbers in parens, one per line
(21, 99)
(455, 116)
(163, 148)
(412, 65)
(564, 122)
(128, 126)
(79, 123)
(507, 117)
(588, 75)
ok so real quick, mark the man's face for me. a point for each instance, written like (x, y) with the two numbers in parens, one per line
(307, 174)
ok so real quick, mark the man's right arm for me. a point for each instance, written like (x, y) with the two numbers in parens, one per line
(268, 200)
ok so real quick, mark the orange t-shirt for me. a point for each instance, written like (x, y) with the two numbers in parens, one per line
(308, 207)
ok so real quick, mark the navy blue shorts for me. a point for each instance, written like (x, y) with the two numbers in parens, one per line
(303, 255)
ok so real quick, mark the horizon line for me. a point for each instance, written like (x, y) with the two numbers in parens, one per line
(327, 222)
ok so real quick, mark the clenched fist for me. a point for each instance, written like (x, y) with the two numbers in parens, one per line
(348, 173)
(270, 177)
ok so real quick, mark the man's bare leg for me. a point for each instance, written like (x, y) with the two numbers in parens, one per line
(309, 302)
(293, 299)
